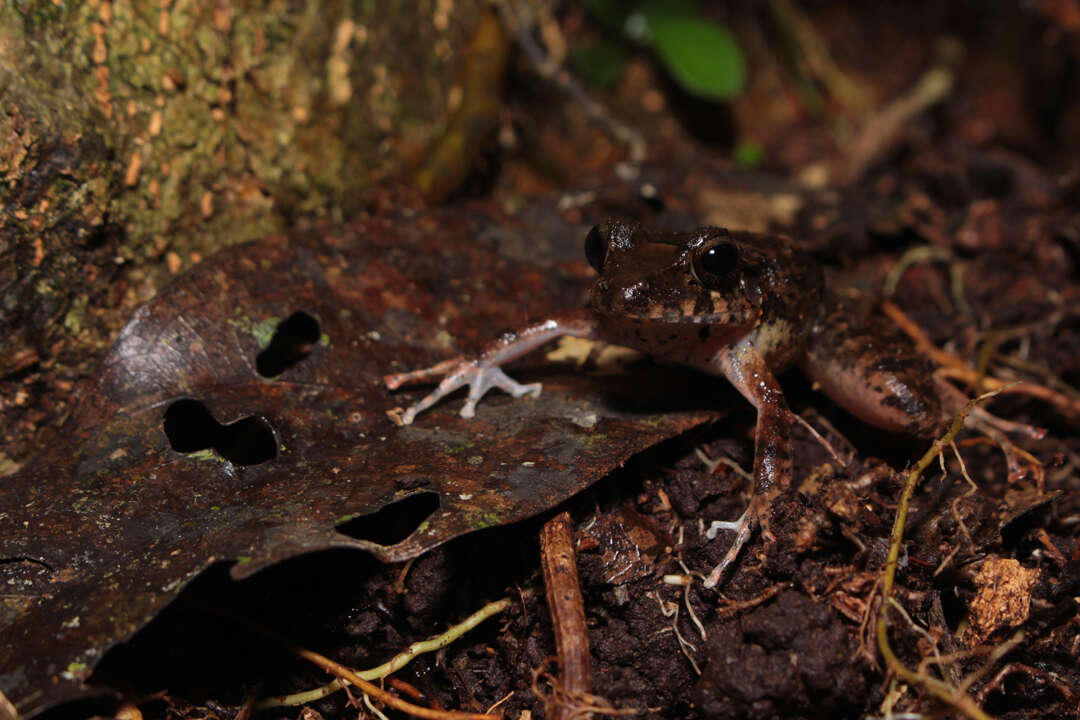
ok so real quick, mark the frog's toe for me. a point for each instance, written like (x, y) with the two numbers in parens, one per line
(732, 525)
(495, 377)
(742, 528)
(487, 378)
(519, 390)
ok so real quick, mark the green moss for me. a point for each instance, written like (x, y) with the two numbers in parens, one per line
(35, 16)
(73, 320)
(481, 520)
(205, 455)
(263, 331)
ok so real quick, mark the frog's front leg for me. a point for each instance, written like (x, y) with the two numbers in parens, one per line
(747, 370)
(483, 371)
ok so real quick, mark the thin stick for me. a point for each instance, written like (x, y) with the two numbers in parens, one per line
(383, 696)
(821, 440)
(954, 366)
(397, 662)
(567, 613)
(953, 696)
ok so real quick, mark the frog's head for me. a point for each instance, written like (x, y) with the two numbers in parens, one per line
(696, 277)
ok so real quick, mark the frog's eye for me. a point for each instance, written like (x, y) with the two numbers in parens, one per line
(595, 249)
(714, 264)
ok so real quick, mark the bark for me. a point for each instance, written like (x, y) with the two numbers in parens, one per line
(139, 136)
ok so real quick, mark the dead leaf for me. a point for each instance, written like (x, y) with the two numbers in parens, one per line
(241, 416)
(1003, 599)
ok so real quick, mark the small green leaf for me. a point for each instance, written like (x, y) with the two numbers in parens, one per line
(599, 64)
(749, 155)
(701, 56)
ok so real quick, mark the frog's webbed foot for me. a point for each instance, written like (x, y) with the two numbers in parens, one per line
(743, 528)
(484, 371)
(480, 376)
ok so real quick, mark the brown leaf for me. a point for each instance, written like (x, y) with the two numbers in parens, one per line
(1003, 599)
(241, 416)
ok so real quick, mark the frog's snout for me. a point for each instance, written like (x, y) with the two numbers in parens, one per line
(621, 300)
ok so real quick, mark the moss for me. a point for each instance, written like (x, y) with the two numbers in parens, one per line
(186, 128)
(73, 320)
(205, 455)
(263, 331)
(481, 520)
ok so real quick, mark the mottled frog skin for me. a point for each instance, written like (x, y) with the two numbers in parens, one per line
(737, 304)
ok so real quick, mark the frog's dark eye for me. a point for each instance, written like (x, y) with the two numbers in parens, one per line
(596, 248)
(715, 264)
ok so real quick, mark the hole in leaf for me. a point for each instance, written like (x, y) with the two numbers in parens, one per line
(190, 428)
(393, 523)
(291, 343)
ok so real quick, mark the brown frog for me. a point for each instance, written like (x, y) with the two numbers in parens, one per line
(737, 304)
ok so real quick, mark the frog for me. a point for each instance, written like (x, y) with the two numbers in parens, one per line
(734, 303)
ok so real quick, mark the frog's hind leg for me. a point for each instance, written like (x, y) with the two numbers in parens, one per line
(874, 373)
(747, 370)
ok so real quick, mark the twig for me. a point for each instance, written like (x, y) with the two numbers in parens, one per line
(954, 697)
(505, 697)
(711, 464)
(399, 584)
(383, 696)
(7, 709)
(955, 367)
(581, 708)
(812, 54)
(551, 70)
(394, 664)
(918, 255)
(244, 713)
(731, 608)
(1043, 675)
(670, 610)
(686, 599)
(567, 615)
(821, 440)
(883, 130)
(374, 710)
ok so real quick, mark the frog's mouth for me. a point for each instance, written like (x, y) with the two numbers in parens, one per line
(646, 302)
